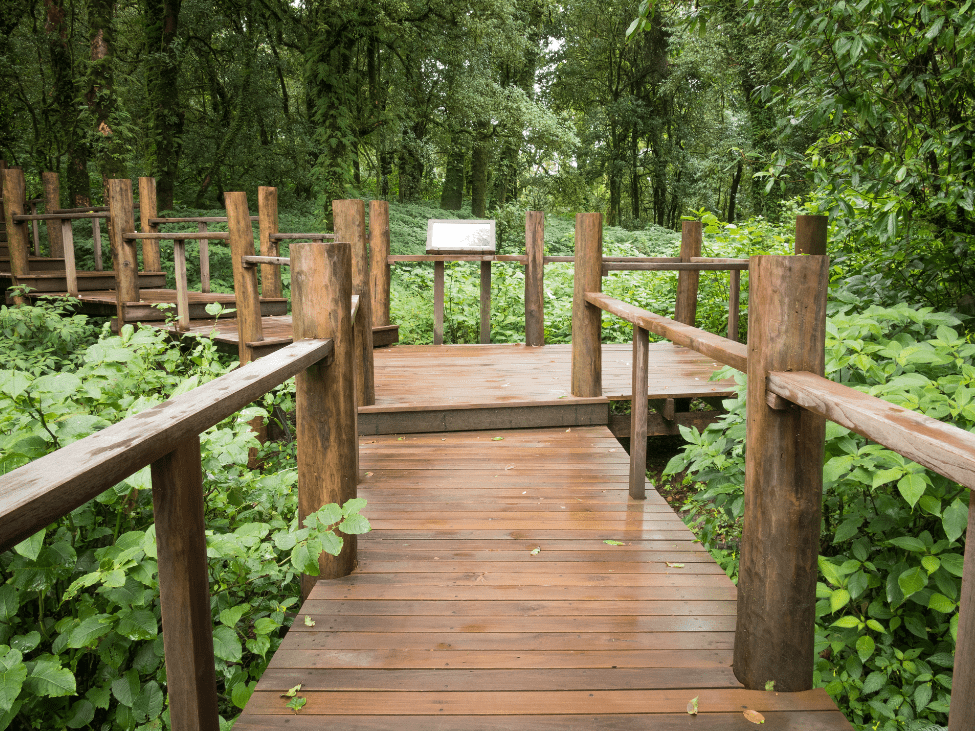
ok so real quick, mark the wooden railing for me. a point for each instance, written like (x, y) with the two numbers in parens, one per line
(787, 404)
(166, 437)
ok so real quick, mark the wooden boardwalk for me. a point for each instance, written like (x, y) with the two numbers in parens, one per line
(487, 598)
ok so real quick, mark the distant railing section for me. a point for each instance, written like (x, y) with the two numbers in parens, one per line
(166, 437)
(787, 404)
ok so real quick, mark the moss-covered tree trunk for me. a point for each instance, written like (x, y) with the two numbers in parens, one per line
(480, 158)
(452, 197)
(165, 111)
(110, 151)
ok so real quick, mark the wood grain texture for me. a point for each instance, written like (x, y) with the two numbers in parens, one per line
(534, 278)
(247, 298)
(944, 448)
(151, 259)
(638, 415)
(96, 243)
(204, 248)
(734, 304)
(321, 287)
(18, 247)
(783, 477)
(438, 301)
(125, 261)
(350, 226)
(691, 238)
(491, 626)
(267, 213)
(67, 251)
(962, 714)
(52, 202)
(39, 493)
(184, 592)
(811, 235)
(587, 366)
(485, 303)
(379, 264)
(182, 286)
(713, 346)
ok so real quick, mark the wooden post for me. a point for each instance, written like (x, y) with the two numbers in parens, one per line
(96, 240)
(35, 230)
(52, 202)
(67, 251)
(13, 204)
(438, 286)
(151, 260)
(202, 227)
(350, 226)
(379, 265)
(125, 261)
(962, 714)
(783, 478)
(247, 301)
(184, 591)
(587, 353)
(691, 238)
(638, 414)
(811, 235)
(182, 289)
(267, 213)
(734, 304)
(321, 290)
(485, 303)
(535, 278)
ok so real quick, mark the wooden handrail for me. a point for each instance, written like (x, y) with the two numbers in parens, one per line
(23, 218)
(300, 236)
(192, 219)
(944, 448)
(721, 349)
(690, 266)
(175, 235)
(251, 261)
(37, 494)
(515, 258)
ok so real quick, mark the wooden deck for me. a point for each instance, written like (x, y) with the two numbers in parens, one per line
(453, 621)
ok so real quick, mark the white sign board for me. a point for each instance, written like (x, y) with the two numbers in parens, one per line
(452, 236)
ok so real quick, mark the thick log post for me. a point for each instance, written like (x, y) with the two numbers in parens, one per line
(587, 354)
(379, 264)
(783, 477)
(67, 249)
(125, 261)
(52, 202)
(734, 304)
(962, 714)
(35, 228)
(267, 213)
(204, 245)
(96, 243)
(17, 245)
(535, 278)
(151, 259)
(241, 238)
(321, 290)
(638, 414)
(184, 590)
(811, 235)
(691, 238)
(350, 226)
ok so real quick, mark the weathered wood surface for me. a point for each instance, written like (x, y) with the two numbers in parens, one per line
(783, 478)
(692, 236)
(465, 628)
(151, 260)
(350, 227)
(586, 317)
(125, 261)
(267, 206)
(17, 246)
(39, 493)
(52, 202)
(708, 344)
(379, 264)
(248, 313)
(534, 278)
(962, 715)
(944, 448)
(638, 415)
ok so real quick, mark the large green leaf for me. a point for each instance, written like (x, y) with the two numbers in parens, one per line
(911, 487)
(226, 644)
(30, 548)
(13, 672)
(912, 580)
(90, 630)
(955, 519)
(48, 678)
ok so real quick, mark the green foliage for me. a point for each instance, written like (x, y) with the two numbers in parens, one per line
(892, 541)
(80, 633)
(43, 339)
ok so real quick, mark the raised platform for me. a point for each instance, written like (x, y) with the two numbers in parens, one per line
(486, 597)
(423, 388)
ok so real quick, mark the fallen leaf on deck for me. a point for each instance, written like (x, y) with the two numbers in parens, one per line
(309, 622)
(614, 543)
(535, 551)
(293, 692)
(369, 474)
(497, 439)
(692, 706)
(674, 565)
(509, 467)
(399, 439)
(754, 716)
(295, 704)
(770, 685)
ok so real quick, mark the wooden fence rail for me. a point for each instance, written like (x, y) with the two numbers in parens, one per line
(166, 437)
(784, 360)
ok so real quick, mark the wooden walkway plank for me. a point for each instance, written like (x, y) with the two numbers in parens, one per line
(487, 597)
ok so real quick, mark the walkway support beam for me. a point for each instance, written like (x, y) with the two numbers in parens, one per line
(691, 238)
(783, 477)
(587, 356)
(535, 278)
(379, 261)
(350, 227)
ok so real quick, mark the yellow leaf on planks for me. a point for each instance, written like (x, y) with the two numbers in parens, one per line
(754, 716)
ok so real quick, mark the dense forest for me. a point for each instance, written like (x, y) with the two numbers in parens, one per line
(739, 114)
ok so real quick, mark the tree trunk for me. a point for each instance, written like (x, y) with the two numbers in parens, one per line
(452, 197)
(110, 151)
(480, 157)
(733, 194)
(165, 112)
